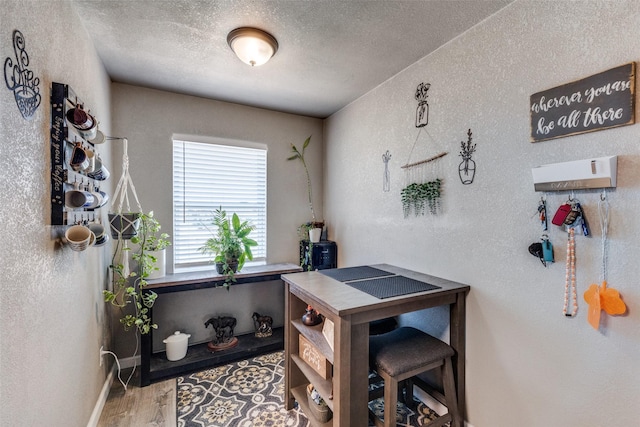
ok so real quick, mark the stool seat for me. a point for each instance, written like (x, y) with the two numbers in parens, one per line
(405, 349)
(398, 356)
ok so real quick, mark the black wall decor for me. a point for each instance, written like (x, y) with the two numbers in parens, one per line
(597, 102)
(422, 190)
(467, 168)
(422, 113)
(21, 80)
(386, 176)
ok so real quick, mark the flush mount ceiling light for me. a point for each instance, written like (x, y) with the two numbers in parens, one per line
(252, 46)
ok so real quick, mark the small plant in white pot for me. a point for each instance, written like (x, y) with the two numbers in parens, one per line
(155, 244)
(313, 227)
(129, 285)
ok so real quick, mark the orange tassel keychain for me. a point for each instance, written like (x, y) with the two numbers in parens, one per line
(600, 297)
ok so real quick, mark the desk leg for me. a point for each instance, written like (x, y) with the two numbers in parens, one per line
(350, 374)
(146, 351)
(293, 377)
(457, 319)
(288, 339)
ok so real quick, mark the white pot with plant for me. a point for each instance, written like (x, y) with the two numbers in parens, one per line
(155, 244)
(129, 285)
(313, 227)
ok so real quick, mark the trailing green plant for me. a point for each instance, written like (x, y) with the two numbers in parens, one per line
(230, 244)
(306, 257)
(154, 240)
(417, 197)
(129, 286)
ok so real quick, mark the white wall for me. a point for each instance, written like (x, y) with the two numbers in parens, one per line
(52, 320)
(527, 365)
(149, 119)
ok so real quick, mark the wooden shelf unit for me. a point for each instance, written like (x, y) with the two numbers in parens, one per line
(300, 395)
(301, 371)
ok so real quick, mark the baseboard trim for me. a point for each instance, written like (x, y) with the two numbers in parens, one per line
(102, 398)
(130, 362)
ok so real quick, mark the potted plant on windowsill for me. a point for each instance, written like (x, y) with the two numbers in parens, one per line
(129, 286)
(155, 244)
(313, 228)
(230, 245)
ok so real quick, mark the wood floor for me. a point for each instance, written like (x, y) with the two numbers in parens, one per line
(154, 405)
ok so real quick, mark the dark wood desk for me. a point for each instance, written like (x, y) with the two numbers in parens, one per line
(156, 367)
(351, 311)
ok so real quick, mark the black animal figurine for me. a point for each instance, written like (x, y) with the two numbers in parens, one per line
(223, 328)
(263, 325)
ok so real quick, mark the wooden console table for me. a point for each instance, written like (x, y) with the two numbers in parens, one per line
(155, 367)
(351, 310)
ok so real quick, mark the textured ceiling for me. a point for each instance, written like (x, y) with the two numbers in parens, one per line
(330, 52)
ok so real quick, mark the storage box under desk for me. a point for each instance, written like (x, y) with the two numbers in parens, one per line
(312, 356)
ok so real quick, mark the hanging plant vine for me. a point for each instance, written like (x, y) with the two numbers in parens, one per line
(418, 197)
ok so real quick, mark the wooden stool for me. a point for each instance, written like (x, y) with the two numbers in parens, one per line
(399, 355)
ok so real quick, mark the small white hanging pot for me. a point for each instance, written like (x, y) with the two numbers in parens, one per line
(176, 345)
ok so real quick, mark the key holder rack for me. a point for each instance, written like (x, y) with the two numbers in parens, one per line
(595, 173)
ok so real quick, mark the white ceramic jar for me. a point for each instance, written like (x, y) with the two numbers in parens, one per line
(176, 345)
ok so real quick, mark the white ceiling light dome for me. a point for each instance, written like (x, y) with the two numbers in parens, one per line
(253, 46)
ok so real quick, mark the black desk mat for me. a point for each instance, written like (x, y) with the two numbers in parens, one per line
(354, 273)
(387, 287)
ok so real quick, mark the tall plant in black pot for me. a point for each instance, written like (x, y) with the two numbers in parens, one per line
(230, 244)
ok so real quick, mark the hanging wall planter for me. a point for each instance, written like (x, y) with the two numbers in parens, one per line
(124, 226)
(419, 197)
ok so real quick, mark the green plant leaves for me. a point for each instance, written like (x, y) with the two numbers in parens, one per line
(418, 197)
(129, 289)
(230, 243)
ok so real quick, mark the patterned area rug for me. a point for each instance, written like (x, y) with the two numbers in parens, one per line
(250, 393)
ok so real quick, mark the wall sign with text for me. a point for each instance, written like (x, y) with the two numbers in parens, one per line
(600, 101)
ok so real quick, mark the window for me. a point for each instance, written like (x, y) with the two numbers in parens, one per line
(207, 175)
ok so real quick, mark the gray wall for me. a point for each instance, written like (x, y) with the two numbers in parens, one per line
(52, 315)
(527, 365)
(149, 119)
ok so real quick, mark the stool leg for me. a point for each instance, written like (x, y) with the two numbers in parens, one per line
(408, 393)
(390, 401)
(450, 393)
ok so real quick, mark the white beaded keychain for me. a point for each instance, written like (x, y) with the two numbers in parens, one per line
(570, 278)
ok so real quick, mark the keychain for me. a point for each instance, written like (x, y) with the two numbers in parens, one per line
(547, 250)
(601, 298)
(583, 220)
(542, 212)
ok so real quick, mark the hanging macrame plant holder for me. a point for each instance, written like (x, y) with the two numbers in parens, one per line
(124, 225)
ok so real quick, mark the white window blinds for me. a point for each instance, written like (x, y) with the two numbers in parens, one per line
(207, 176)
